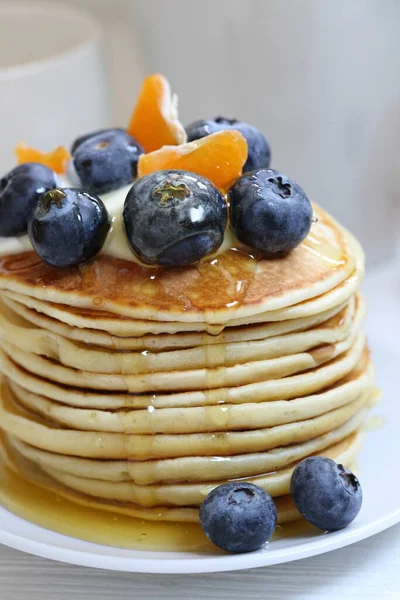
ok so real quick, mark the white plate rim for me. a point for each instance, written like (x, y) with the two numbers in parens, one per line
(204, 564)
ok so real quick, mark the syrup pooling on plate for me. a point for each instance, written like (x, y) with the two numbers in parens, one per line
(34, 497)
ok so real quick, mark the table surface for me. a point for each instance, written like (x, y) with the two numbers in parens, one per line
(368, 569)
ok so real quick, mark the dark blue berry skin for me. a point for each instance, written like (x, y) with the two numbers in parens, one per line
(106, 161)
(69, 226)
(238, 517)
(83, 138)
(174, 218)
(269, 212)
(20, 190)
(325, 493)
(259, 153)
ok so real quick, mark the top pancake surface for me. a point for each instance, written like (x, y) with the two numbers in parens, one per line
(215, 290)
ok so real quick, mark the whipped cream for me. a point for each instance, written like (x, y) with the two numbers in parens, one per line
(116, 244)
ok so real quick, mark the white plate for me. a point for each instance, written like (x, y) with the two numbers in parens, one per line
(380, 482)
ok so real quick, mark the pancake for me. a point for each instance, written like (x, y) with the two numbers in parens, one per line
(200, 419)
(120, 326)
(159, 342)
(325, 259)
(194, 469)
(183, 494)
(200, 379)
(20, 333)
(42, 434)
(281, 389)
(29, 471)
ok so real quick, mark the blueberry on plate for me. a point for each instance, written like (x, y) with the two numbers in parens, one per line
(86, 136)
(174, 218)
(69, 226)
(106, 161)
(238, 517)
(20, 190)
(259, 153)
(269, 212)
(325, 493)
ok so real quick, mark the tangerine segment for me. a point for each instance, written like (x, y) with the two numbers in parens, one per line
(154, 121)
(56, 160)
(219, 157)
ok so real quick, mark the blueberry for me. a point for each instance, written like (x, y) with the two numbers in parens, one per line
(85, 137)
(106, 161)
(238, 517)
(325, 493)
(20, 190)
(259, 153)
(174, 217)
(68, 227)
(269, 212)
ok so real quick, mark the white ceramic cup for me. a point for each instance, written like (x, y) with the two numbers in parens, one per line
(52, 77)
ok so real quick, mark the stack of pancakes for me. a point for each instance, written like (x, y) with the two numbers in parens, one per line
(139, 390)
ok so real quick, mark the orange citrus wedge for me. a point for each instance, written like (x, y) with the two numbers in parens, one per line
(154, 121)
(219, 157)
(56, 160)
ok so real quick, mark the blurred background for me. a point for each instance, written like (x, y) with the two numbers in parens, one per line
(321, 79)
